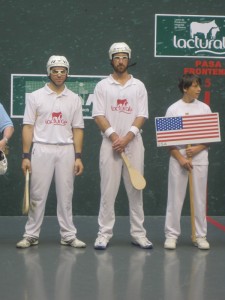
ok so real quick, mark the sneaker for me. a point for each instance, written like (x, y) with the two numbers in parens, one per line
(142, 242)
(27, 242)
(202, 243)
(170, 243)
(73, 243)
(101, 243)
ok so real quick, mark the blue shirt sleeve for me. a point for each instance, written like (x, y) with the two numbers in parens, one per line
(5, 120)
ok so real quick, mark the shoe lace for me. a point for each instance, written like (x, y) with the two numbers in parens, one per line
(31, 239)
(70, 241)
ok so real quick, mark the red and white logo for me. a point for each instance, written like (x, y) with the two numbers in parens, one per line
(56, 119)
(122, 105)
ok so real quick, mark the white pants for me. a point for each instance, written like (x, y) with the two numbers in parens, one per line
(111, 169)
(177, 186)
(46, 161)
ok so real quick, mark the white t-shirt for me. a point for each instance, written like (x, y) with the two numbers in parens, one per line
(53, 116)
(181, 108)
(120, 104)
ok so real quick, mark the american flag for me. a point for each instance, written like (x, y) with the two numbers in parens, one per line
(188, 129)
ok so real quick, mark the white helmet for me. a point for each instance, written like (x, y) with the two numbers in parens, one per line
(119, 47)
(3, 163)
(57, 61)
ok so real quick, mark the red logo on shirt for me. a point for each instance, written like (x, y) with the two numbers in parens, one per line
(122, 106)
(56, 119)
(57, 115)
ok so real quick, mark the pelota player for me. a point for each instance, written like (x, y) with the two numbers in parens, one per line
(180, 166)
(53, 122)
(120, 109)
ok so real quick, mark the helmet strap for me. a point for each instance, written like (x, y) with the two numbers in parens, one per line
(132, 65)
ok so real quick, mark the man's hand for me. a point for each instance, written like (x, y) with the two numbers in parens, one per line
(26, 164)
(193, 150)
(2, 144)
(78, 167)
(185, 163)
(119, 144)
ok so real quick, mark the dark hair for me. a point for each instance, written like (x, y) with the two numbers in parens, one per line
(186, 81)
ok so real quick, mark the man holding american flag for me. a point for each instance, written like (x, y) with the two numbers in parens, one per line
(183, 160)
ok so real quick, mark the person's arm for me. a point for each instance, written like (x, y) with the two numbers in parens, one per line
(98, 112)
(191, 151)
(27, 137)
(7, 134)
(105, 127)
(78, 136)
(195, 149)
(102, 123)
(183, 161)
(121, 142)
(6, 127)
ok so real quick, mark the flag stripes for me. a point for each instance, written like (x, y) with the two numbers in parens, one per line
(188, 129)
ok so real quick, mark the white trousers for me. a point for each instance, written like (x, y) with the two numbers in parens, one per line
(111, 169)
(177, 186)
(46, 161)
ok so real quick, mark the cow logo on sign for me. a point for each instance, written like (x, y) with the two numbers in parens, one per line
(208, 29)
(203, 38)
(190, 36)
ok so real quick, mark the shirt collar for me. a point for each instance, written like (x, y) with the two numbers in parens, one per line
(113, 81)
(50, 91)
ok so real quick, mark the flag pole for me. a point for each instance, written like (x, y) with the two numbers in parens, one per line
(192, 208)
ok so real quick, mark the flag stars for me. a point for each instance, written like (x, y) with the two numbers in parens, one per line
(173, 123)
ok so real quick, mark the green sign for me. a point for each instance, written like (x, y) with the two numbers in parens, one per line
(22, 85)
(189, 36)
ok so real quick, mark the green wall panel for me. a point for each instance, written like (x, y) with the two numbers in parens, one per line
(83, 30)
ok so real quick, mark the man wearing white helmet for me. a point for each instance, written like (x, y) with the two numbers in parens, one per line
(6, 129)
(53, 123)
(120, 109)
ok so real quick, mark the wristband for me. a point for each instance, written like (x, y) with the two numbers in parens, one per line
(77, 155)
(134, 129)
(109, 131)
(26, 155)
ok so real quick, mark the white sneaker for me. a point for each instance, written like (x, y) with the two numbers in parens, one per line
(170, 243)
(142, 242)
(27, 242)
(202, 243)
(101, 243)
(74, 243)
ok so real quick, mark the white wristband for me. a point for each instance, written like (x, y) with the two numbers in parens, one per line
(134, 129)
(109, 131)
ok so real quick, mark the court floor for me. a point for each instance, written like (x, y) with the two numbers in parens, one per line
(50, 271)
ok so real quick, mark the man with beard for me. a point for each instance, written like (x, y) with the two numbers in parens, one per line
(53, 126)
(120, 108)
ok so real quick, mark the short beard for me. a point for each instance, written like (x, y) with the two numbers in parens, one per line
(119, 70)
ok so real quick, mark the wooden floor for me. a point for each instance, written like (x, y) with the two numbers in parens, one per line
(50, 271)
